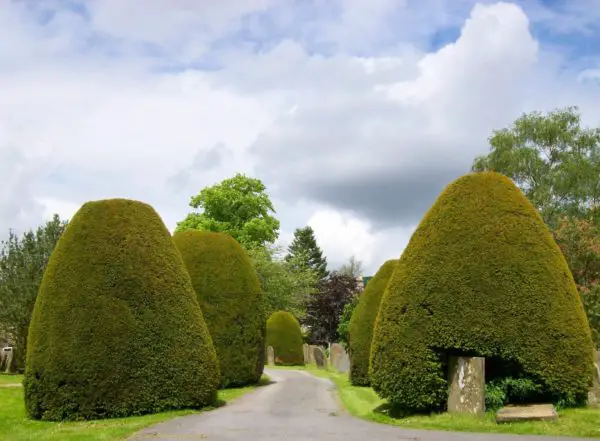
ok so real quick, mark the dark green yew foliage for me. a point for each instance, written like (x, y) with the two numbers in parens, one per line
(362, 322)
(116, 329)
(284, 334)
(230, 296)
(483, 276)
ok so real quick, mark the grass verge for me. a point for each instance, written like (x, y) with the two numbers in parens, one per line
(10, 379)
(363, 402)
(15, 426)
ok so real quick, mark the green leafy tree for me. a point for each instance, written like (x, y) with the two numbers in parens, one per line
(286, 284)
(306, 252)
(552, 159)
(239, 206)
(22, 264)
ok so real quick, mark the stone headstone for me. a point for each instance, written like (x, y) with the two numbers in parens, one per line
(319, 356)
(531, 412)
(466, 385)
(6, 359)
(306, 351)
(594, 392)
(270, 356)
(338, 358)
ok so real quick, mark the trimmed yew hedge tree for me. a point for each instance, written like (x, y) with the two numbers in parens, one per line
(116, 328)
(482, 276)
(230, 296)
(362, 322)
(284, 334)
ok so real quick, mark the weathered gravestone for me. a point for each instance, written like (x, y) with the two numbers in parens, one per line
(594, 393)
(270, 356)
(307, 354)
(6, 359)
(466, 385)
(318, 356)
(338, 358)
(531, 412)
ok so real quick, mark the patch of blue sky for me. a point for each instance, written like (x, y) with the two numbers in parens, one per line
(260, 32)
(44, 12)
(304, 22)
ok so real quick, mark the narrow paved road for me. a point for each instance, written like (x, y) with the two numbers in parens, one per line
(297, 407)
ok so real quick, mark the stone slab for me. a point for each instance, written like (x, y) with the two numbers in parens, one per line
(529, 412)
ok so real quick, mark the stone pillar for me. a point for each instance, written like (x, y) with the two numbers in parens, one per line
(466, 385)
(270, 356)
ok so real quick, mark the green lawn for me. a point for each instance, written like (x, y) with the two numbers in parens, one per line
(363, 402)
(14, 426)
(10, 379)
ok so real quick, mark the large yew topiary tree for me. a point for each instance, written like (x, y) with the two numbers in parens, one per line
(230, 296)
(482, 276)
(116, 329)
(284, 334)
(362, 322)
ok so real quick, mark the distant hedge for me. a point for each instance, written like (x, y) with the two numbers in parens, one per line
(116, 328)
(284, 334)
(483, 276)
(230, 296)
(362, 322)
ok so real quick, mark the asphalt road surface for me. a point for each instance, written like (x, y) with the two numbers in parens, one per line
(297, 407)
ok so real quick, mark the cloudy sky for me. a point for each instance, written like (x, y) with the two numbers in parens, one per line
(354, 113)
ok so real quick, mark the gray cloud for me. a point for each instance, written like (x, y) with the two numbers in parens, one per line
(384, 150)
(204, 160)
(387, 199)
(19, 210)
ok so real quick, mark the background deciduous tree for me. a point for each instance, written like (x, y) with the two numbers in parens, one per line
(306, 252)
(239, 206)
(552, 159)
(286, 284)
(22, 265)
(353, 267)
(325, 307)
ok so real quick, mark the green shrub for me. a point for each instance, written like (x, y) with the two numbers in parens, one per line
(502, 391)
(230, 296)
(362, 321)
(482, 276)
(344, 323)
(495, 396)
(283, 333)
(116, 329)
